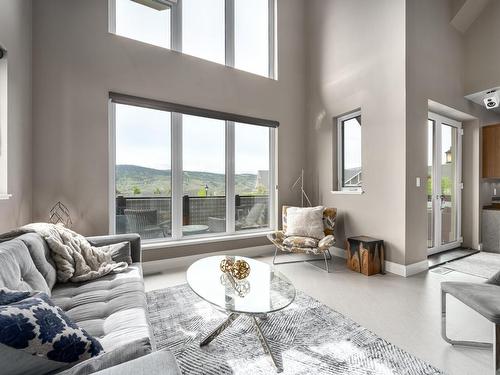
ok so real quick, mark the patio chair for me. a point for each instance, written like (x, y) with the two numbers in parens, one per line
(483, 298)
(144, 222)
(256, 218)
(306, 245)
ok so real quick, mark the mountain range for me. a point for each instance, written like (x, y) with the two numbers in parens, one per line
(134, 180)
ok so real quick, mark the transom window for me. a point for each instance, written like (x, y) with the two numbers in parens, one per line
(182, 172)
(349, 152)
(237, 33)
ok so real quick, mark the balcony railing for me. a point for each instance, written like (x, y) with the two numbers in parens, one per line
(151, 215)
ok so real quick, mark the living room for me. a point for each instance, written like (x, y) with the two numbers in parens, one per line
(198, 186)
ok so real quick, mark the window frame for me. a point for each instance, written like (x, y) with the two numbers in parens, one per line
(229, 26)
(340, 153)
(4, 133)
(176, 112)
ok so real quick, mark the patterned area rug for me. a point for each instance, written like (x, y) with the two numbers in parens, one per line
(307, 337)
(482, 264)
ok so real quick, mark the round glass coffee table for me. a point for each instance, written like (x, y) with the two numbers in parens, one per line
(264, 291)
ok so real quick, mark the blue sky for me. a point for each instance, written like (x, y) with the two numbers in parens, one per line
(143, 138)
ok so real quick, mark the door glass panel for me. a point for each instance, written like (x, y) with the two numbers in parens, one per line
(448, 184)
(430, 181)
(204, 175)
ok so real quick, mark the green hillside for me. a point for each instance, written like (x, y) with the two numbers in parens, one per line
(143, 181)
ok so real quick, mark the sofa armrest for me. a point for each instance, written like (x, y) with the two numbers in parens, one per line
(133, 238)
(122, 354)
(161, 362)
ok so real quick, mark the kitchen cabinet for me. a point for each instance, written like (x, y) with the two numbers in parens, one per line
(491, 151)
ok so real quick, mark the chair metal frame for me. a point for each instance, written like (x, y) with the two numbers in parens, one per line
(304, 260)
(484, 345)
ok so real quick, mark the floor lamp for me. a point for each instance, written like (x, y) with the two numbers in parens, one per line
(302, 191)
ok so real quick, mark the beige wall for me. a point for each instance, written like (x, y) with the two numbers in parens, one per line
(435, 55)
(76, 63)
(482, 55)
(357, 60)
(15, 37)
(404, 54)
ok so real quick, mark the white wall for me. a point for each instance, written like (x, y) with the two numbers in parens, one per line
(76, 63)
(15, 37)
(482, 55)
(356, 55)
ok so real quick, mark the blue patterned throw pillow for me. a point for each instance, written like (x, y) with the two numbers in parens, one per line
(33, 324)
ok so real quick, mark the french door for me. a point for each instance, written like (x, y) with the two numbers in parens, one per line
(444, 183)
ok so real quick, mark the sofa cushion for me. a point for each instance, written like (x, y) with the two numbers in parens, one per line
(40, 253)
(121, 354)
(161, 362)
(32, 324)
(17, 362)
(112, 308)
(17, 269)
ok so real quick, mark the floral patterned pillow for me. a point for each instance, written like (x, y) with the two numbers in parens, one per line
(32, 323)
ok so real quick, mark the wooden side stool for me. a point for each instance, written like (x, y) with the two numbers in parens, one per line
(365, 255)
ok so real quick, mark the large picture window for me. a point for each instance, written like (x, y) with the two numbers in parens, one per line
(237, 33)
(349, 155)
(181, 172)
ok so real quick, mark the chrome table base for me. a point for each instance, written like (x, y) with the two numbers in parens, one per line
(230, 319)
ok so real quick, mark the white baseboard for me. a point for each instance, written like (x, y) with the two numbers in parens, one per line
(179, 262)
(395, 268)
(157, 266)
(414, 268)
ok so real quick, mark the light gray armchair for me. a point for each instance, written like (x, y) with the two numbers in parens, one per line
(483, 298)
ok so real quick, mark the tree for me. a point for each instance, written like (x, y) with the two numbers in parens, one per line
(157, 191)
(202, 192)
(260, 190)
(136, 190)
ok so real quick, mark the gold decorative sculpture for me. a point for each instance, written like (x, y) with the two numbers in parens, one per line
(239, 269)
(226, 264)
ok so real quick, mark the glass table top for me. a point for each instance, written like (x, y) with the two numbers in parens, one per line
(263, 291)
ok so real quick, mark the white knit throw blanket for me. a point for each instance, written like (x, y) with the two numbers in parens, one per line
(75, 258)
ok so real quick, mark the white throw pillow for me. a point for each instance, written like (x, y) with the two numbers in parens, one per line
(305, 222)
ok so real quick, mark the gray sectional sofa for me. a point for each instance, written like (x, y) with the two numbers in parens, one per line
(113, 308)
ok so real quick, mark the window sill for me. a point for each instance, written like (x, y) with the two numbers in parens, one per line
(153, 245)
(347, 192)
(5, 196)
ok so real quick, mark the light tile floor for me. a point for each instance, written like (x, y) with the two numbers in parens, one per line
(404, 311)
